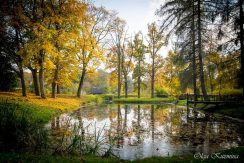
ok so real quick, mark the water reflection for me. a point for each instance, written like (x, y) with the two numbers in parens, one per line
(138, 131)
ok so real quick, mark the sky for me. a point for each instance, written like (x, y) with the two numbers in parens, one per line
(137, 14)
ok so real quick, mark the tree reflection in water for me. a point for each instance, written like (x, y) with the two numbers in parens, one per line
(139, 131)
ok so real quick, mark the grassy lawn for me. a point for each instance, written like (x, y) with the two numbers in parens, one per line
(44, 109)
(143, 100)
(14, 157)
(233, 110)
(181, 102)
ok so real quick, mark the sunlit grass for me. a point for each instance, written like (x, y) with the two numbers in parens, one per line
(62, 102)
(44, 109)
(143, 100)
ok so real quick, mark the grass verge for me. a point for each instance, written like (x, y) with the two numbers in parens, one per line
(14, 157)
(143, 100)
(232, 110)
(44, 109)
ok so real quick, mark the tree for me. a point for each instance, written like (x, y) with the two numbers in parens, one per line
(127, 65)
(119, 41)
(13, 35)
(98, 82)
(231, 12)
(94, 31)
(199, 33)
(181, 16)
(54, 30)
(194, 17)
(155, 43)
(66, 24)
(170, 75)
(8, 77)
(138, 55)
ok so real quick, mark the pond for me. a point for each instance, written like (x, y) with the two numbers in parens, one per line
(139, 131)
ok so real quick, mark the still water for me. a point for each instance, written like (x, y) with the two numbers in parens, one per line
(139, 131)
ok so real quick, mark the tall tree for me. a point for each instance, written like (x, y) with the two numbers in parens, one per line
(66, 24)
(95, 30)
(187, 16)
(180, 16)
(13, 38)
(119, 41)
(127, 67)
(241, 36)
(199, 33)
(231, 12)
(155, 43)
(194, 73)
(139, 56)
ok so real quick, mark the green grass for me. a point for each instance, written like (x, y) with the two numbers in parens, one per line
(17, 157)
(97, 99)
(143, 100)
(21, 125)
(39, 114)
(190, 158)
(25, 158)
(43, 110)
(147, 100)
(234, 110)
(22, 118)
(181, 102)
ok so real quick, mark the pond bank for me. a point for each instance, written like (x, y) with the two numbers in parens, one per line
(228, 110)
(17, 157)
(45, 109)
(144, 100)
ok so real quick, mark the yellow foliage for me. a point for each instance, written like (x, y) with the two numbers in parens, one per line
(49, 65)
(63, 102)
(113, 79)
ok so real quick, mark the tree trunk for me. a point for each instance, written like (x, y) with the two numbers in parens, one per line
(200, 52)
(138, 115)
(54, 83)
(53, 89)
(210, 81)
(241, 42)
(81, 82)
(125, 119)
(35, 82)
(58, 89)
(41, 75)
(126, 87)
(119, 84)
(152, 81)
(139, 80)
(22, 78)
(119, 126)
(194, 74)
(20, 65)
(152, 121)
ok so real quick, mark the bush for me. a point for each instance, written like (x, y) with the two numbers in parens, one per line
(8, 77)
(18, 128)
(8, 81)
(97, 99)
(229, 92)
(160, 92)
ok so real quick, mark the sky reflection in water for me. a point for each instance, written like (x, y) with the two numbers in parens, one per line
(149, 130)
